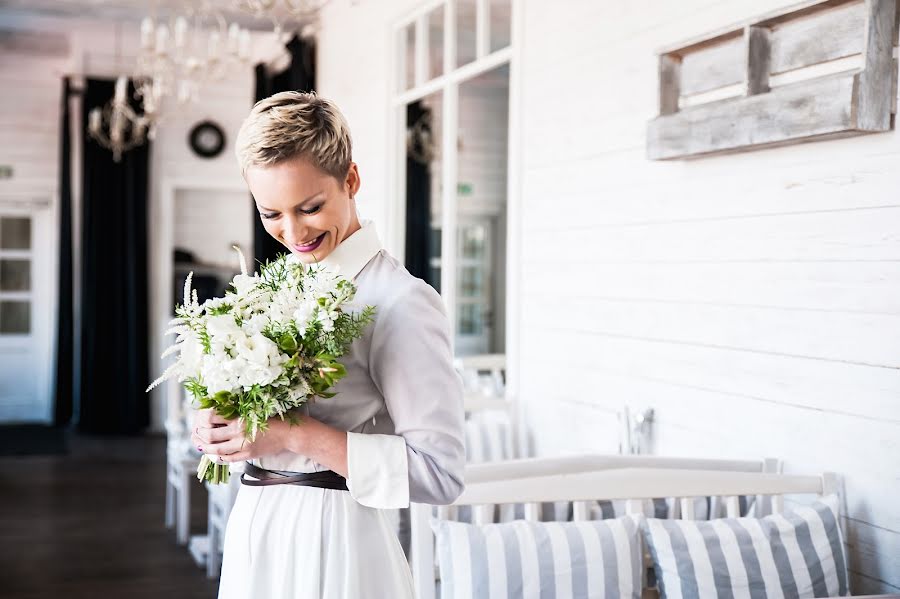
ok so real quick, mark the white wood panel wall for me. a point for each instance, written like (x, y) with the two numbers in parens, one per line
(753, 300)
(29, 132)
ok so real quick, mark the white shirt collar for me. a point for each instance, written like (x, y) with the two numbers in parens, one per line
(352, 254)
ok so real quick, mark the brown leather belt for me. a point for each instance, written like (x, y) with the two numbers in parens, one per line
(327, 479)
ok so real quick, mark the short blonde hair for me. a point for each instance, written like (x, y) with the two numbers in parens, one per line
(291, 124)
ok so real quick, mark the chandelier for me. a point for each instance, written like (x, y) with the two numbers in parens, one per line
(279, 12)
(179, 54)
(116, 126)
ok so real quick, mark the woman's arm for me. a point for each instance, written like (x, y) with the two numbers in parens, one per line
(313, 438)
(411, 364)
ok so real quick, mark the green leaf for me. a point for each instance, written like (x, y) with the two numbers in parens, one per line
(287, 343)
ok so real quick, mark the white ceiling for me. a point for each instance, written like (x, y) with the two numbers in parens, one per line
(125, 10)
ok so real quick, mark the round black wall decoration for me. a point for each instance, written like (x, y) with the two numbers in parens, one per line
(207, 139)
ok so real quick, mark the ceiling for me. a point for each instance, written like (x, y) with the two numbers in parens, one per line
(128, 10)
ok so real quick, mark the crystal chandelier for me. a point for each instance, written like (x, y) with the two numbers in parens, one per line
(179, 54)
(279, 11)
(116, 126)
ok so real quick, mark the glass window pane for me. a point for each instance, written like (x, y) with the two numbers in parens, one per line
(15, 233)
(472, 242)
(436, 42)
(435, 242)
(435, 280)
(501, 24)
(471, 281)
(481, 212)
(15, 275)
(469, 319)
(15, 317)
(423, 176)
(465, 32)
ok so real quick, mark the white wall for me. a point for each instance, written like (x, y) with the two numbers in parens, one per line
(29, 139)
(29, 121)
(753, 300)
(209, 222)
(352, 66)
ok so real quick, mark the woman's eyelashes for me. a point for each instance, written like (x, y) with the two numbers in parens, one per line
(311, 211)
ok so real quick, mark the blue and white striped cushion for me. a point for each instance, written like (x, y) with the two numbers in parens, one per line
(705, 508)
(540, 560)
(799, 554)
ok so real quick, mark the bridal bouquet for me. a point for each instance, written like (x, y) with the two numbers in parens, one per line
(270, 345)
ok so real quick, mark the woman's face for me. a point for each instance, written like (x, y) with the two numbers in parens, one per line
(309, 211)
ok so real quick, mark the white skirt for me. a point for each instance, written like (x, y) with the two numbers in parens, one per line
(300, 542)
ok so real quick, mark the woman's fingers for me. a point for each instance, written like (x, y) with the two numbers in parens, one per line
(208, 418)
(224, 448)
(218, 434)
(239, 456)
(215, 419)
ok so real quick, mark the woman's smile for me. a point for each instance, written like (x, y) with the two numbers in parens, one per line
(314, 244)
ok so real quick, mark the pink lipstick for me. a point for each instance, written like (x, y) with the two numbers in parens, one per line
(312, 246)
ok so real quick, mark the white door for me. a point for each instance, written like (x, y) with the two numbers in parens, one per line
(27, 279)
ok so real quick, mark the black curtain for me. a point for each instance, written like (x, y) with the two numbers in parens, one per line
(63, 385)
(418, 198)
(114, 339)
(298, 76)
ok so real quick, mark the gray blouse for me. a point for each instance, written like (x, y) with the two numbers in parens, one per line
(401, 400)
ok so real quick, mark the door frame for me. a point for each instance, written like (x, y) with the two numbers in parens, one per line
(448, 84)
(162, 272)
(43, 206)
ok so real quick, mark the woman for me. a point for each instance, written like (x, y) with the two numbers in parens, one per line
(394, 431)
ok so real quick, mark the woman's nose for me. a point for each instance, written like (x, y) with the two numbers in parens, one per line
(293, 230)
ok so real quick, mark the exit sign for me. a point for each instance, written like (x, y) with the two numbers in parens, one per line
(6, 171)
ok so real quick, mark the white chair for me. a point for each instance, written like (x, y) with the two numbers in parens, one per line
(221, 500)
(496, 474)
(182, 460)
(206, 549)
(484, 385)
(484, 373)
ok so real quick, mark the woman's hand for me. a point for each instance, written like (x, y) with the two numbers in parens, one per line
(224, 440)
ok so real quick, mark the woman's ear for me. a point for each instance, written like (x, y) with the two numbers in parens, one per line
(352, 180)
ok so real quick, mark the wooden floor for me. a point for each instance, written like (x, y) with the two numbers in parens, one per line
(90, 525)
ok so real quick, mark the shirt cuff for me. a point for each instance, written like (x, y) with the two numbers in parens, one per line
(377, 470)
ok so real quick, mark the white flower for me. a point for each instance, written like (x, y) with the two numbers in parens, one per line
(255, 324)
(327, 319)
(222, 325)
(244, 283)
(302, 315)
(256, 349)
(191, 353)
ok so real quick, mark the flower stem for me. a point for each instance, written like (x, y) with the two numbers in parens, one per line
(211, 472)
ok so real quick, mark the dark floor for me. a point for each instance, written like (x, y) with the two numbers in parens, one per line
(90, 524)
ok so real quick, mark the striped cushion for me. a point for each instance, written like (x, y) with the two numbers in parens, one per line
(799, 554)
(705, 508)
(591, 559)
